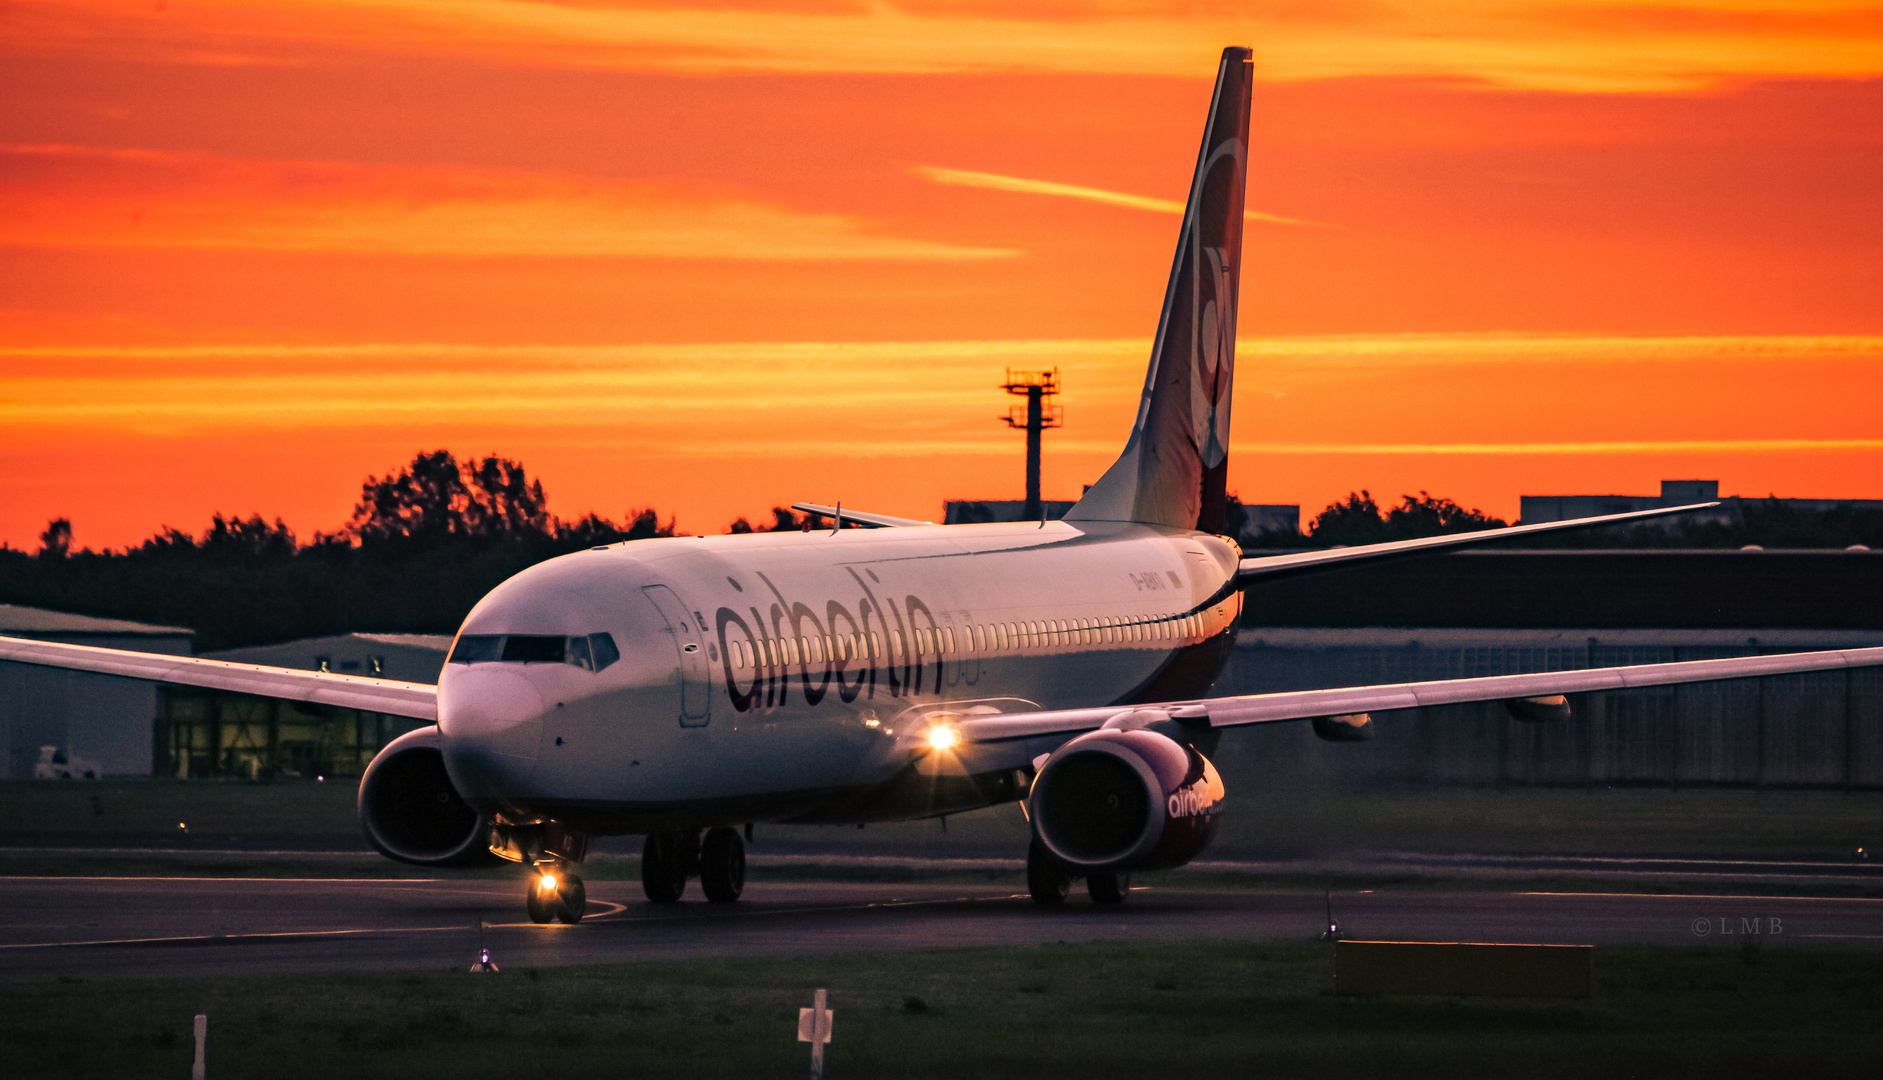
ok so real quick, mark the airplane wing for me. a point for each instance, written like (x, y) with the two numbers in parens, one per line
(858, 517)
(416, 700)
(1014, 740)
(1273, 566)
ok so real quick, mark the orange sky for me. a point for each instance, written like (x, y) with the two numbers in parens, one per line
(716, 255)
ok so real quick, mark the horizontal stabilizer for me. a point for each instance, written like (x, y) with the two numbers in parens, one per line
(857, 517)
(1271, 566)
(416, 700)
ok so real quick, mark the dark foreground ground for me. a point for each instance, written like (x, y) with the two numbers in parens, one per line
(116, 927)
(1169, 1009)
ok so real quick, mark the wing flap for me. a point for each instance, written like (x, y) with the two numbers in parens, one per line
(390, 696)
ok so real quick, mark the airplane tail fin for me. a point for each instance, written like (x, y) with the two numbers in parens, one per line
(1173, 469)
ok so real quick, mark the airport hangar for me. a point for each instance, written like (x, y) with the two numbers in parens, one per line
(1446, 616)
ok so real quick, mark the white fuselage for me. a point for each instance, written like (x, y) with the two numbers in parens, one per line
(782, 676)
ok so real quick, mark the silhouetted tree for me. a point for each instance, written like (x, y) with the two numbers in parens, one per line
(254, 539)
(1359, 520)
(1428, 516)
(1355, 520)
(435, 500)
(56, 540)
(645, 525)
(739, 526)
(784, 520)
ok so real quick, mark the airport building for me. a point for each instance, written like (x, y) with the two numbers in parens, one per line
(1464, 614)
(55, 722)
(1537, 508)
(211, 733)
(1490, 612)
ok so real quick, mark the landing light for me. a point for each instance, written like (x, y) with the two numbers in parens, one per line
(943, 738)
(547, 883)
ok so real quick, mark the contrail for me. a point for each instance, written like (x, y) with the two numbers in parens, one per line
(997, 182)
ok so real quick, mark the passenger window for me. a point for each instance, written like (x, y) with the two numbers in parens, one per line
(577, 654)
(948, 638)
(477, 648)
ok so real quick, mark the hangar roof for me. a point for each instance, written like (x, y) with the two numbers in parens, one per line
(410, 657)
(29, 621)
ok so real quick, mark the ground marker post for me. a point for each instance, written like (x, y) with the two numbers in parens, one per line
(202, 1041)
(483, 963)
(814, 1028)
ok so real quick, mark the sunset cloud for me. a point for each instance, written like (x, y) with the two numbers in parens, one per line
(77, 197)
(1573, 45)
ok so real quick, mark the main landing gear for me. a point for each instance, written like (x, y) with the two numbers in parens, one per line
(555, 893)
(1050, 881)
(670, 858)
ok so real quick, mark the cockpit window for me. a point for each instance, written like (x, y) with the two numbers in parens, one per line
(603, 647)
(531, 649)
(477, 648)
(577, 654)
(590, 652)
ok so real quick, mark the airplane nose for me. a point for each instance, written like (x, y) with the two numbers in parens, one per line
(490, 723)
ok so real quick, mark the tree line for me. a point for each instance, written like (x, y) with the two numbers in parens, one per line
(422, 546)
(427, 542)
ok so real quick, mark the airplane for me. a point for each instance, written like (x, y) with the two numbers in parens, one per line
(687, 688)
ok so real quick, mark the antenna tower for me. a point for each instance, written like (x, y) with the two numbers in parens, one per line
(1036, 387)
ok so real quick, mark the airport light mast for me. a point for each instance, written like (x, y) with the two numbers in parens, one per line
(1036, 387)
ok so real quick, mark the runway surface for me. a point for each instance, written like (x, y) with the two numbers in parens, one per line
(214, 927)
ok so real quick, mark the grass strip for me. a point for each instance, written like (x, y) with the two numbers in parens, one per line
(1049, 1010)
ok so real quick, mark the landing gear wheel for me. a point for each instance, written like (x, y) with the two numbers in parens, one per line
(541, 905)
(1107, 886)
(1045, 878)
(663, 867)
(722, 865)
(571, 900)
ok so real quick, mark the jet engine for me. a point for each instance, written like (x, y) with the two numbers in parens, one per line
(1125, 800)
(410, 811)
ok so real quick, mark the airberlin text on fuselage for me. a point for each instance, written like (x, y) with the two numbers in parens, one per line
(779, 626)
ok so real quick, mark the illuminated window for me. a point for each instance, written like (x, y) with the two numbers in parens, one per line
(948, 639)
(876, 644)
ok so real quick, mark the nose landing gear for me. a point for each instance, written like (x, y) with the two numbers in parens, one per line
(555, 893)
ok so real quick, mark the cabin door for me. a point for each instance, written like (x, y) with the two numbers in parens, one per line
(689, 642)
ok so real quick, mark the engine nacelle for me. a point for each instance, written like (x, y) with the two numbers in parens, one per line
(1125, 800)
(410, 812)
